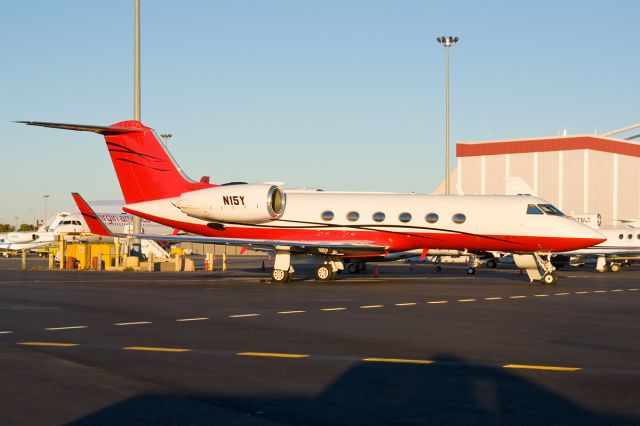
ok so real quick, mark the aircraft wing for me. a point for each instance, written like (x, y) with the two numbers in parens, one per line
(96, 226)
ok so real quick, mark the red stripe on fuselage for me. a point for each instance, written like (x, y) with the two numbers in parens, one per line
(396, 241)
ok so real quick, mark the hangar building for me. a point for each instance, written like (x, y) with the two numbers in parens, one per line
(578, 174)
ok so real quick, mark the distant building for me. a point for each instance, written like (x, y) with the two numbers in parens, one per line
(578, 174)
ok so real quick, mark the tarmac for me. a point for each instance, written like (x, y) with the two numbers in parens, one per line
(413, 346)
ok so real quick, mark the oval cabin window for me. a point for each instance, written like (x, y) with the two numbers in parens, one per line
(327, 215)
(431, 218)
(378, 216)
(404, 217)
(459, 218)
(353, 216)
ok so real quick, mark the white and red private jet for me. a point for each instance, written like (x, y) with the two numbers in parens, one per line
(335, 226)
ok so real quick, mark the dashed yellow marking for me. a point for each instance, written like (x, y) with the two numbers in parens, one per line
(466, 300)
(582, 292)
(132, 323)
(540, 295)
(406, 304)
(333, 309)
(371, 306)
(493, 298)
(272, 355)
(434, 302)
(74, 327)
(154, 349)
(600, 291)
(541, 367)
(399, 360)
(291, 312)
(633, 289)
(192, 319)
(517, 297)
(244, 315)
(617, 290)
(52, 344)
(561, 294)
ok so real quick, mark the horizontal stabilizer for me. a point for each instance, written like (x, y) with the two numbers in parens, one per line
(103, 130)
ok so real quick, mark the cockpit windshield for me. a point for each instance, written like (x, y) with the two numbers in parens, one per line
(550, 209)
(533, 209)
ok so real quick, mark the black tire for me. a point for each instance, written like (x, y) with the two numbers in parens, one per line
(324, 272)
(491, 264)
(279, 276)
(550, 278)
(438, 268)
(471, 270)
(352, 268)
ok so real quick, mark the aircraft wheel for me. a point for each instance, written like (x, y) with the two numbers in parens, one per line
(280, 276)
(324, 273)
(615, 267)
(352, 268)
(471, 270)
(438, 268)
(491, 264)
(550, 278)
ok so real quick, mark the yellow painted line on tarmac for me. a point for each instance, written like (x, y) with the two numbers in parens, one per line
(399, 360)
(154, 349)
(582, 292)
(51, 344)
(406, 304)
(132, 323)
(561, 294)
(466, 300)
(617, 290)
(192, 319)
(291, 312)
(272, 355)
(541, 367)
(437, 302)
(333, 309)
(600, 291)
(371, 306)
(540, 295)
(244, 315)
(633, 289)
(517, 297)
(74, 327)
(493, 298)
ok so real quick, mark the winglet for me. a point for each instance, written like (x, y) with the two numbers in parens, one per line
(96, 226)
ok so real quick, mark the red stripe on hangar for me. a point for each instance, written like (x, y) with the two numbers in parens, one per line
(566, 143)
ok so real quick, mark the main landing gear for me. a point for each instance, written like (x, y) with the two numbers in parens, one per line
(283, 270)
(327, 270)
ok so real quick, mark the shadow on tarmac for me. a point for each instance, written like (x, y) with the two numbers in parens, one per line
(448, 392)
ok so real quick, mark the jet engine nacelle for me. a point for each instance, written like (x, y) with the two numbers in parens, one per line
(240, 203)
(21, 237)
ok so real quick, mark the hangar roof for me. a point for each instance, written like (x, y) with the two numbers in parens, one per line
(557, 143)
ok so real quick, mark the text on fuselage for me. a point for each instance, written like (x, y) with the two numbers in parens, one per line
(233, 200)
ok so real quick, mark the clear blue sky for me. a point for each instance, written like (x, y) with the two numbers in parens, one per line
(336, 94)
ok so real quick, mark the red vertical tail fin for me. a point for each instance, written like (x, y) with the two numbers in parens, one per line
(145, 170)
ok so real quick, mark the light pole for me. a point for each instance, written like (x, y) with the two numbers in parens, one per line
(45, 196)
(447, 42)
(165, 137)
